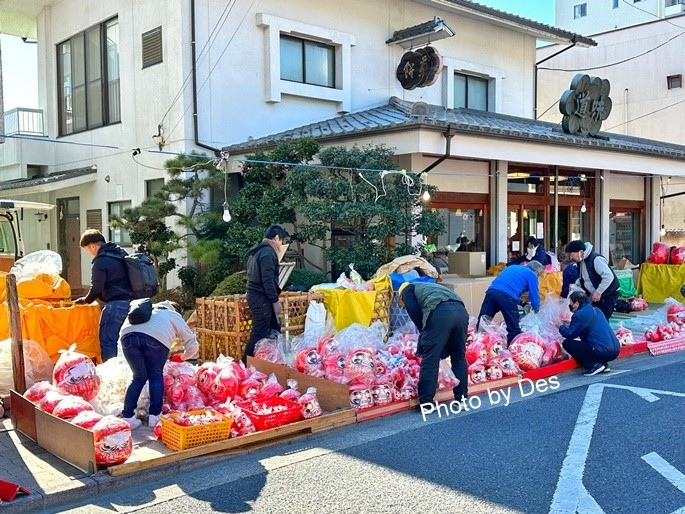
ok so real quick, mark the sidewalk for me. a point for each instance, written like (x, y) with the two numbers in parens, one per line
(52, 482)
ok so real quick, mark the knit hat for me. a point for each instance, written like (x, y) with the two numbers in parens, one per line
(575, 246)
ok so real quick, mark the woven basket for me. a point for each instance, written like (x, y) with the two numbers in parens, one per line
(224, 322)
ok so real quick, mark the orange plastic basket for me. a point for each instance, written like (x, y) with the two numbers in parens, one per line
(290, 414)
(177, 437)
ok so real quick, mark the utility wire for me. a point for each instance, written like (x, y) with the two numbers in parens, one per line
(219, 24)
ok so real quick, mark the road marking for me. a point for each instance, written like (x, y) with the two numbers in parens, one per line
(571, 495)
(666, 470)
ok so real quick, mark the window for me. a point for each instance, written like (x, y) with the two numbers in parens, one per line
(118, 235)
(579, 11)
(307, 62)
(674, 81)
(470, 92)
(153, 186)
(88, 75)
(152, 47)
(615, 6)
(94, 219)
(671, 3)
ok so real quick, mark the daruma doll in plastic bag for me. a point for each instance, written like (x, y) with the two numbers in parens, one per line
(86, 419)
(70, 406)
(659, 253)
(310, 404)
(75, 373)
(113, 442)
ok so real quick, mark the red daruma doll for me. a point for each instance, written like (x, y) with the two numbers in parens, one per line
(310, 404)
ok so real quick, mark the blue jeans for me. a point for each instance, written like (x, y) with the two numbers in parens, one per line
(111, 319)
(146, 356)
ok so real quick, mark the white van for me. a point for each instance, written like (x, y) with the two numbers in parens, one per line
(14, 214)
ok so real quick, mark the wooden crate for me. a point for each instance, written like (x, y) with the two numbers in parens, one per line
(224, 322)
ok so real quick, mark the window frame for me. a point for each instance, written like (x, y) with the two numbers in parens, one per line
(671, 81)
(84, 75)
(477, 79)
(304, 44)
(274, 27)
(119, 235)
(579, 11)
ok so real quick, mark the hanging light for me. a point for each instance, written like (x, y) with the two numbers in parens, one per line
(583, 208)
(480, 213)
(227, 215)
(426, 196)
(457, 212)
(662, 232)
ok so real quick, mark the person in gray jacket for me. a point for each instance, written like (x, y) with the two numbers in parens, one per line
(595, 276)
(146, 349)
(441, 318)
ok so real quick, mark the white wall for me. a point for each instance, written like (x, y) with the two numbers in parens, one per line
(602, 16)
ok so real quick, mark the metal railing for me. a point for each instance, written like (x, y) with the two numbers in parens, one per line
(25, 122)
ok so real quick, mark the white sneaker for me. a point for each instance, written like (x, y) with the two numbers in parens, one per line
(152, 421)
(133, 422)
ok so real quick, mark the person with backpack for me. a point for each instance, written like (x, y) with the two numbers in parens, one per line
(588, 338)
(110, 284)
(146, 337)
(595, 276)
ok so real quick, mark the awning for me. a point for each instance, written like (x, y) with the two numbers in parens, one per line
(52, 182)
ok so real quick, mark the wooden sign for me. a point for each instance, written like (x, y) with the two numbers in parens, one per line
(419, 68)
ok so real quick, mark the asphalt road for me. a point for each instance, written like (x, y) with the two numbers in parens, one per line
(609, 443)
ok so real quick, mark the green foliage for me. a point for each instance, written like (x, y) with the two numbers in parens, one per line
(305, 278)
(233, 284)
(367, 206)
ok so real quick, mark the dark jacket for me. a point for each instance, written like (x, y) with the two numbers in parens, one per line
(569, 276)
(540, 256)
(109, 278)
(262, 274)
(590, 326)
(421, 298)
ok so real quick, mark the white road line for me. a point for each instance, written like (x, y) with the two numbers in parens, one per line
(571, 492)
(666, 470)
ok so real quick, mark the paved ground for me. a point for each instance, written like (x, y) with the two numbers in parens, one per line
(53, 482)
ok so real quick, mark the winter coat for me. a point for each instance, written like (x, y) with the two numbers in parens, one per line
(262, 274)
(109, 276)
(590, 326)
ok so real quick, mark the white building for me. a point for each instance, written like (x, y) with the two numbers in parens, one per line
(594, 16)
(645, 68)
(115, 74)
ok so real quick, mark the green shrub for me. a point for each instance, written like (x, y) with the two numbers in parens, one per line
(304, 279)
(232, 284)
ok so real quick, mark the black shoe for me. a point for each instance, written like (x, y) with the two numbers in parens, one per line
(594, 370)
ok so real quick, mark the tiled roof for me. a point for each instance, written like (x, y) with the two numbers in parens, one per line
(535, 25)
(397, 115)
(49, 179)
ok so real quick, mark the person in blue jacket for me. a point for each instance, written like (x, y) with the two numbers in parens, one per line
(505, 291)
(569, 276)
(535, 251)
(589, 338)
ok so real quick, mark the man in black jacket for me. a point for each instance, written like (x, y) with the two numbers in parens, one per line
(108, 283)
(262, 287)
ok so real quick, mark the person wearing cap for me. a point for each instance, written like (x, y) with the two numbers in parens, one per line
(441, 318)
(505, 291)
(595, 277)
(588, 338)
(535, 251)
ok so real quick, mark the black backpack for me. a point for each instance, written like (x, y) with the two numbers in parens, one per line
(141, 274)
(140, 311)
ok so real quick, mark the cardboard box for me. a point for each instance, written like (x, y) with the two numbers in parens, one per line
(466, 263)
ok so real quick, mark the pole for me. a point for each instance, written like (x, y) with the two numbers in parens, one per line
(18, 372)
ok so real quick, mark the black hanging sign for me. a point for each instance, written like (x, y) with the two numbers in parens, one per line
(419, 68)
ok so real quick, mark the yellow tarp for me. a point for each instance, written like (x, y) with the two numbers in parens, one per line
(550, 282)
(347, 306)
(656, 282)
(56, 327)
(43, 287)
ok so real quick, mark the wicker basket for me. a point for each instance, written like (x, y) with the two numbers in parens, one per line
(177, 437)
(382, 306)
(224, 322)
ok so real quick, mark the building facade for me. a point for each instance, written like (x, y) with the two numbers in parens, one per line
(126, 85)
